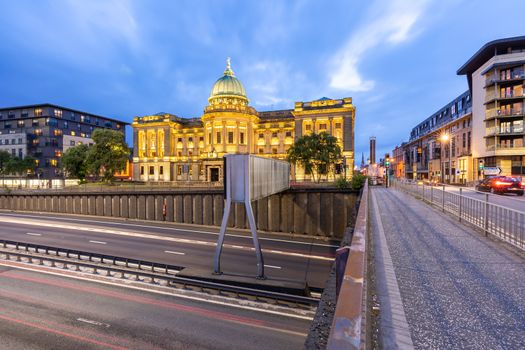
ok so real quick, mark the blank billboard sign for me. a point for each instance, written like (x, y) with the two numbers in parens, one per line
(248, 178)
(265, 176)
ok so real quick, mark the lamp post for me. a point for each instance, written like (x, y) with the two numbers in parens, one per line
(445, 138)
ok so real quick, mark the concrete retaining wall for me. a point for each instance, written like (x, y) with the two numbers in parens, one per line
(311, 212)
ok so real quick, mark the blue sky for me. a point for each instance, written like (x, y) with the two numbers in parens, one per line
(396, 58)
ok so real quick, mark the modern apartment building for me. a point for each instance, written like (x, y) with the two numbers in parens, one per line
(46, 131)
(171, 148)
(439, 147)
(496, 78)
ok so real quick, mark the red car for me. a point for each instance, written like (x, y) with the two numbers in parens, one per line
(501, 184)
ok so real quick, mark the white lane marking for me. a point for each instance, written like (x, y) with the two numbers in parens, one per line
(156, 237)
(173, 229)
(172, 252)
(96, 323)
(97, 242)
(33, 234)
(273, 267)
(170, 292)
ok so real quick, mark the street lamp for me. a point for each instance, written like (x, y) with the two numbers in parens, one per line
(445, 138)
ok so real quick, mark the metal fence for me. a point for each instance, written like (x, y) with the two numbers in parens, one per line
(504, 223)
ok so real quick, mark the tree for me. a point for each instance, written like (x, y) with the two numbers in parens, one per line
(316, 153)
(4, 161)
(108, 155)
(74, 162)
(20, 166)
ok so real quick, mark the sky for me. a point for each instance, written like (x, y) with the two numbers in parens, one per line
(397, 59)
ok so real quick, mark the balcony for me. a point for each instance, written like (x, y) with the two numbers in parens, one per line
(510, 131)
(501, 113)
(514, 77)
(501, 150)
(492, 96)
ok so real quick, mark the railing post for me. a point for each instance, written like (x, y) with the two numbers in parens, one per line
(460, 202)
(443, 201)
(486, 215)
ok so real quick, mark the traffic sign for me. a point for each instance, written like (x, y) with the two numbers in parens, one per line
(492, 170)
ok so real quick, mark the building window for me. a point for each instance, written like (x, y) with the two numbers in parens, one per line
(338, 125)
(38, 112)
(19, 140)
(190, 139)
(151, 170)
(54, 162)
(179, 170)
(21, 124)
(230, 137)
(288, 134)
(274, 150)
(161, 170)
(322, 126)
(241, 137)
(308, 127)
(274, 134)
(218, 137)
(261, 136)
(261, 150)
(58, 113)
(179, 139)
(38, 132)
(71, 143)
(209, 139)
(201, 139)
(142, 170)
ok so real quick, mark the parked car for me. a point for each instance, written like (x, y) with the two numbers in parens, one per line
(501, 184)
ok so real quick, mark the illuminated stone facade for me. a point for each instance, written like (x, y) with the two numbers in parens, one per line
(170, 148)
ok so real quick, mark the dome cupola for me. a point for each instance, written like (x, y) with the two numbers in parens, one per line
(228, 88)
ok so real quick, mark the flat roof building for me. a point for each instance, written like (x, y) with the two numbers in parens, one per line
(46, 131)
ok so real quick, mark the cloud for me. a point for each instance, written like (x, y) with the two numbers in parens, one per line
(391, 23)
(85, 33)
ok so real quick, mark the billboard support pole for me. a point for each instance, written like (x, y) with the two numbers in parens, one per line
(251, 220)
(222, 232)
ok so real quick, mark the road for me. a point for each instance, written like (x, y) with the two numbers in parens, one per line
(42, 311)
(446, 285)
(506, 200)
(286, 258)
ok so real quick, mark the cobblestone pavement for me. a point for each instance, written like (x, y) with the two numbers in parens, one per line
(459, 289)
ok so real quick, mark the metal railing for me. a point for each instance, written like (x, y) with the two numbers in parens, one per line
(136, 270)
(504, 223)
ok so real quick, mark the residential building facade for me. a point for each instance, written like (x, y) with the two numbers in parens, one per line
(46, 131)
(496, 77)
(439, 148)
(171, 148)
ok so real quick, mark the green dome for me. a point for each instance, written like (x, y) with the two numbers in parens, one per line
(228, 85)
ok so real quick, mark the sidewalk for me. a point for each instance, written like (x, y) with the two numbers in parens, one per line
(445, 286)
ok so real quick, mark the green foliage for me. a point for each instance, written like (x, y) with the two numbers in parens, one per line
(316, 153)
(4, 161)
(15, 165)
(358, 181)
(74, 162)
(342, 183)
(108, 155)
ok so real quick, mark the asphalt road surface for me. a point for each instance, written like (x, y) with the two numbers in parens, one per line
(287, 258)
(42, 311)
(508, 200)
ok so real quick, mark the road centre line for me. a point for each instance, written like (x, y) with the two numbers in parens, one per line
(172, 252)
(96, 323)
(173, 229)
(155, 237)
(97, 242)
(33, 234)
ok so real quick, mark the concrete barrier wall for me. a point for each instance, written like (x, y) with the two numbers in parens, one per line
(310, 212)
